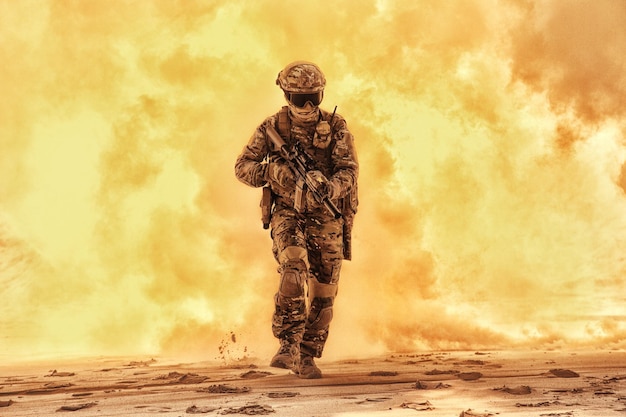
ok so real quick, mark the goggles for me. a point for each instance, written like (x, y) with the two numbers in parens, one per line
(300, 99)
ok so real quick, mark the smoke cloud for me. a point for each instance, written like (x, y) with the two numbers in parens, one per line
(490, 138)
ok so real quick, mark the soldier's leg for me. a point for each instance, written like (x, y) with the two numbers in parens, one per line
(322, 297)
(289, 318)
(290, 313)
(325, 250)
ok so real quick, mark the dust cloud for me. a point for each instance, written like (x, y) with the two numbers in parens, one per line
(490, 137)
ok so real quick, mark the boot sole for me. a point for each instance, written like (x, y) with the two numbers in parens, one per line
(280, 365)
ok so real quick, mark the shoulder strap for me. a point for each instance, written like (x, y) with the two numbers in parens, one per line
(283, 123)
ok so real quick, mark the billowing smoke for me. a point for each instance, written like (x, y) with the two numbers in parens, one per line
(490, 137)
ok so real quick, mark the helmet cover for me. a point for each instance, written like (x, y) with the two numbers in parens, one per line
(301, 77)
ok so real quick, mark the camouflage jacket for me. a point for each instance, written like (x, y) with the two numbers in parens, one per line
(337, 161)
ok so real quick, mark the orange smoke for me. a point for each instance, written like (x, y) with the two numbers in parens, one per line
(491, 143)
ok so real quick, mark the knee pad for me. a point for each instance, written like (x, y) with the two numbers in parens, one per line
(322, 297)
(292, 278)
(320, 318)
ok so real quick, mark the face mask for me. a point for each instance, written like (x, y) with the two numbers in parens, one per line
(308, 113)
(304, 110)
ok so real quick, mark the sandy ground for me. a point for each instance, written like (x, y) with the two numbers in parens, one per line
(494, 383)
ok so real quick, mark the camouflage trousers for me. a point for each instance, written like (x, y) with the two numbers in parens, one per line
(309, 251)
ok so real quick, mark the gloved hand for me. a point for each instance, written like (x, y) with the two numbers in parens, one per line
(324, 187)
(279, 173)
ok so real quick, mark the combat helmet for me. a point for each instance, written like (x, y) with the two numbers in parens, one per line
(302, 81)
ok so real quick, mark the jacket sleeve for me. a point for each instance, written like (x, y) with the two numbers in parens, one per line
(251, 166)
(344, 158)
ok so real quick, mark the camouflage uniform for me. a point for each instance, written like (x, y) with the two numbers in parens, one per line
(308, 245)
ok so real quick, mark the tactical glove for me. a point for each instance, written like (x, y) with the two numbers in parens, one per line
(279, 173)
(323, 186)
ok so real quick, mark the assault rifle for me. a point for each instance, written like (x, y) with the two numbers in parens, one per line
(301, 164)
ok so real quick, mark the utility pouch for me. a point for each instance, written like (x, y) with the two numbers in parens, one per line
(266, 206)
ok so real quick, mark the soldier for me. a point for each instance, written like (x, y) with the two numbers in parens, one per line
(309, 242)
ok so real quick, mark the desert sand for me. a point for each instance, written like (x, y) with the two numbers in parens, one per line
(490, 383)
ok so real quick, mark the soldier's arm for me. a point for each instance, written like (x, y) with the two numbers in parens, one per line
(250, 167)
(345, 162)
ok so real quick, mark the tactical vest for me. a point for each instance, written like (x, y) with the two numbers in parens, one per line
(347, 205)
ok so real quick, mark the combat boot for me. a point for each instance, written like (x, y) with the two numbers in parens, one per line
(287, 356)
(308, 369)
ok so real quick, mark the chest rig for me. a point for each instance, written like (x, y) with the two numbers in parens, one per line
(317, 143)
